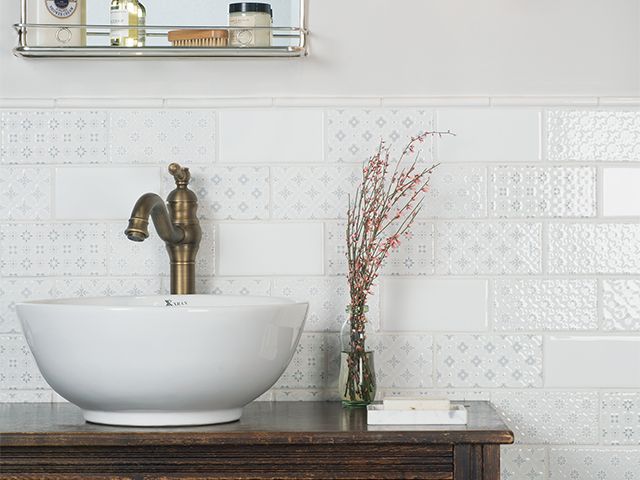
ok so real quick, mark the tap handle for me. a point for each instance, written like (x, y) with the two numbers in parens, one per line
(180, 174)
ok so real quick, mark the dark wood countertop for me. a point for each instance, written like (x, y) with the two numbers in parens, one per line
(23, 425)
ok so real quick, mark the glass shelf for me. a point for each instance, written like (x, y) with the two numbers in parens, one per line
(286, 41)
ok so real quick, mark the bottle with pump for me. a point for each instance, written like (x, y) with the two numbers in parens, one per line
(57, 12)
(127, 13)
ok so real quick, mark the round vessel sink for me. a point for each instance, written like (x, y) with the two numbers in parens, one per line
(162, 360)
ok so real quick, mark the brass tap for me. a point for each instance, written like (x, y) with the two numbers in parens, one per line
(178, 227)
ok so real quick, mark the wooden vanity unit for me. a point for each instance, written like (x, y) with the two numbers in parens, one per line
(283, 440)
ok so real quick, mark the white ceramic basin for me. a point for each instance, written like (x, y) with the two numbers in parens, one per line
(162, 360)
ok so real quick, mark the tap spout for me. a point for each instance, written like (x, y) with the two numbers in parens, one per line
(152, 205)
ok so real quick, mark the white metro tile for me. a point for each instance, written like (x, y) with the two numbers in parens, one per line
(489, 135)
(270, 249)
(101, 193)
(594, 464)
(456, 191)
(621, 304)
(106, 287)
(594, 248)
(162, 136)
(25, 193)
(522, 192)
(484, 361)
(473, 248)
(598, 362)
(425, 304)
(414, 256)
(328, 299)
(621, 195)
(18, 369)
(533, 304)
(588, 135)
(518, 463)
(271, 136)
(543, 417)
(354, 135)
(53, 137)
(233, 286)
(16, 290)
(43, 249)
(620, 418)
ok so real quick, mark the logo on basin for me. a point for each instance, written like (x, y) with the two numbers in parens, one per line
(173, 303)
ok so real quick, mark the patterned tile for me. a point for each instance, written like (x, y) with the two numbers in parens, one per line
(106, 287)
(53, 137)
(456, 191)
(25, 194)
(233, 286)
(413, 257)
(403, 361)
(621, 304)
(150, 257)
(16, 290)
(314, 365)
(594, 464)
(353, 135)
(620, 418)
(162, 136)
(313, 192)
(328, 298)
(228, 193)
(586, 135)
(528, 304)
(63, 249)
(550, 417)
(306, 395)
(522, 463)
(18, 369)
(524, 192)
(594, 248)
(25, 396)
(481, 361)
(453, 395)
(472, 248)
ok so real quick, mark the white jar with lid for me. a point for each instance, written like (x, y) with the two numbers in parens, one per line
(57, 12)
(250, 14)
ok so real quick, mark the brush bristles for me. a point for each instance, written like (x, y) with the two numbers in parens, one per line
(201, 42)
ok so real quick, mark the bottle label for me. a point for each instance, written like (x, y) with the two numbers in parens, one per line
(61, 8)
(118, 18)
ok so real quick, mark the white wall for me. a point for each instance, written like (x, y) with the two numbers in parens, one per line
(382, 47)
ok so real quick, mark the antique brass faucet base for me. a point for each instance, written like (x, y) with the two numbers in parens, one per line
(177, 225)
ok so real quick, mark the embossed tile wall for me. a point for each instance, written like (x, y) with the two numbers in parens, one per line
(526, 254)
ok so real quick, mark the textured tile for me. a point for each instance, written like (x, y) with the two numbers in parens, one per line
(403, 361)
(228, 193)
(353, 135)
(162, 136)
(233, 286)
(414, 256)
(594, 464)
(488, 361)
(106, 287)
(18, 369)
(40, 249)
(453, 395)
(524, 192)
(53, 137)
(621, 305)
(313, 192)
(586, 135)
(314, 365)
(591, 361)
(541, 417)
(25, 193)
(306, 395)
(620, 418)
(127, 258)
(519, 463)
(472, 248)
(16, 290)
(594, 248)
(25, 396)
(328, 299)
(456, 191)
(532, 304)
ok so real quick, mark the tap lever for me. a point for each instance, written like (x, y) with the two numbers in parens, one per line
(181, 175)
